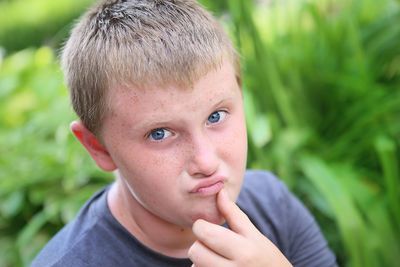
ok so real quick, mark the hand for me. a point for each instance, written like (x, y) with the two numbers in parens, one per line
(243, 245)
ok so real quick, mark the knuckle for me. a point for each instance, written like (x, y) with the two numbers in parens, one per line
(247, 256)
(205, 233)
(192, 252)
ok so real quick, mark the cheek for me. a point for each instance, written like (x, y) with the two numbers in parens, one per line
(151, 170)
(235, 142)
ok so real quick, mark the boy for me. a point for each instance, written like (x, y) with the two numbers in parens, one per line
(157, 87)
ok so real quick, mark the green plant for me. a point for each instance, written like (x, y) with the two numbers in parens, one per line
(323, 101)
(27, 23)
(45, 175)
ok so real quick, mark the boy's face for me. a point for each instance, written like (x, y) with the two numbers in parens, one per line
(177, 148)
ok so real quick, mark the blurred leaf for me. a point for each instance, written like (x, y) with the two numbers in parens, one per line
(260, 129)
(27, 23)
(322, 99)
(12, 204)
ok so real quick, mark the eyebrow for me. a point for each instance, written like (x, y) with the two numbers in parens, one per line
(160, 123)
(222, 101)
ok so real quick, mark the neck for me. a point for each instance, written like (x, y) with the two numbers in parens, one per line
(152, 231)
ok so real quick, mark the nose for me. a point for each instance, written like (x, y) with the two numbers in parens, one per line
(203, 160)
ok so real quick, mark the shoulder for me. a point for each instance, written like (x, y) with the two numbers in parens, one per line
(281, 217)
(263, 195)
(271, 206)
(259, 185)
(69, 246)
(261, 178)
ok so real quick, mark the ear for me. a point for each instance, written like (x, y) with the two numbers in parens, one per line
(98, 153)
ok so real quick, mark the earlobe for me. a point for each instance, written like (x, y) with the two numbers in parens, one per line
(98, 153)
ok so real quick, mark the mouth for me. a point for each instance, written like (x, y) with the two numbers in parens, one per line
(208, 187)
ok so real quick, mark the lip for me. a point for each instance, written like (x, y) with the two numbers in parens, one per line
(209, 186)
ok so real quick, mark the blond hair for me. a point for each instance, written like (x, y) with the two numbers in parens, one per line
(140, 42)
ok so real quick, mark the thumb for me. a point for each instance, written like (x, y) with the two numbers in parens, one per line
(234, 216)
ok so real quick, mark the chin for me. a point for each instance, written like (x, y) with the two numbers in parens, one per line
(215, 218)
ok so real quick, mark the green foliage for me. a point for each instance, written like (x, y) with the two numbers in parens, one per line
(27, 23)
(322, 100)
(45, 175)
(322, 83)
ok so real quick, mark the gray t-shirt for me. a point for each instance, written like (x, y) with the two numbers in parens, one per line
(96, 238)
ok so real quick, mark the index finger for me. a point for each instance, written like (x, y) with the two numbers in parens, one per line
(234, 216)
(217, 238)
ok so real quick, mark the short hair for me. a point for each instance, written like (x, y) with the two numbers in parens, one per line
(140, 42)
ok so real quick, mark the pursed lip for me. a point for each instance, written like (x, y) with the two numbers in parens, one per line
(207, 182)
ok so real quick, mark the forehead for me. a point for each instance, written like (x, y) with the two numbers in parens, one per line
(216, 84)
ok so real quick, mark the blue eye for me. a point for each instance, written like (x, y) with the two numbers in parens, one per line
(217, 116)
(159, 134)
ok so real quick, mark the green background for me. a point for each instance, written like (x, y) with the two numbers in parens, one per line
(322, 100)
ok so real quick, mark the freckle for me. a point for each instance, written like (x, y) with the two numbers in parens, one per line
(182, 229)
